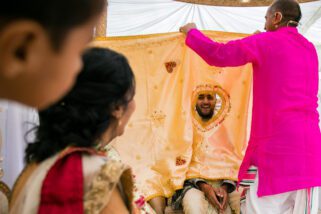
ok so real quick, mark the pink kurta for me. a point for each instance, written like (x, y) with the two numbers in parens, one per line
(285, 141)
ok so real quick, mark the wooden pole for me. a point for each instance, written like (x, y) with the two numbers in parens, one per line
(101, 27)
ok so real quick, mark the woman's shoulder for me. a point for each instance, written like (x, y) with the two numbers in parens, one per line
(96, 165)
(101, 176)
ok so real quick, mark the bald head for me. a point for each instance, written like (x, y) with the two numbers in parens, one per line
(290, 10)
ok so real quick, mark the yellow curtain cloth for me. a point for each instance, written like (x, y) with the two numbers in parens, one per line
(166, 141)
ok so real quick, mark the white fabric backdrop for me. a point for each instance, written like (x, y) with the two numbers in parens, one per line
(15, 121)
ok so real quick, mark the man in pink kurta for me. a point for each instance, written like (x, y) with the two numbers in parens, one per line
(285, 140)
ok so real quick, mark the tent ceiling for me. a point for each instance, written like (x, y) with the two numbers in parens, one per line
(137, 17)
(133, 17)
(236, 3)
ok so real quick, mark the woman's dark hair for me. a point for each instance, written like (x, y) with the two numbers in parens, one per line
(85, 113)
(290, 10)
(57, 17)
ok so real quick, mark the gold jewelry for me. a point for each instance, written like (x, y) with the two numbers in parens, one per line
(100, 146)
